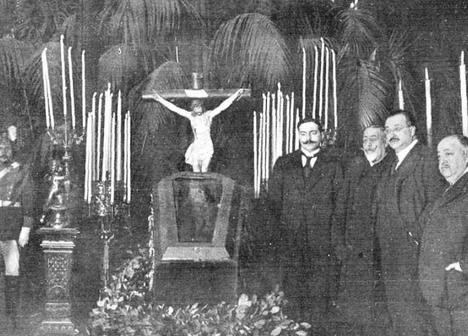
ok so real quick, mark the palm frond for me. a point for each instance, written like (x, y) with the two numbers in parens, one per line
(119, 66)
(14, 55)
(152, 115)
(34, 83)
(136, 21)
(359, 31)
(365, 93)
(252, 42)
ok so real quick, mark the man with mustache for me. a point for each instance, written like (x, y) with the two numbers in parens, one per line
(410, 185)
(303, 203)
(16, 220)
(358, 295)
(443, 262)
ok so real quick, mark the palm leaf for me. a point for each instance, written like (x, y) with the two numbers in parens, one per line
(34, 82)
(152, 115)
(119, 66)
(253, 43)
(136, 21)
(365, 93)
(14, 55)
(359, 31)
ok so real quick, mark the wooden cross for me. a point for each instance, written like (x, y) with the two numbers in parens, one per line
(197, 92)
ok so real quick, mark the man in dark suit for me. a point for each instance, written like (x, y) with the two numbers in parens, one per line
(302, 196)
(359, 296)
(411, 184)
(443, 264)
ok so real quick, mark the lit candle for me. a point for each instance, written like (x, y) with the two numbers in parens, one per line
(464, 105)
(314, 98)
(98, 146)
(335, 104)
(44, 80)
(427, 83)
(327, 69)
(49, 95)
(64, 87)
(304, 61)
(401, 102)
(255, 151)
(322, 60)
(129, 189)
(86, 184)
(112, 158)
(287, 134)
(83, 89)
(93, 130)
(119, 138)
(293, 123)
(72, 93)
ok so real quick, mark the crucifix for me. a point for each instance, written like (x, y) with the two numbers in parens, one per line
(199, 153)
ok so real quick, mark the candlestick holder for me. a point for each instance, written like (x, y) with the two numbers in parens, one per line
(59, 235)
(109, 216)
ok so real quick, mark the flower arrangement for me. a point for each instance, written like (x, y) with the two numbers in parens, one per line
(126, 308)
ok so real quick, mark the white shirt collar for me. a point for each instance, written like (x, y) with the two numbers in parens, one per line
(401, 155)
(312, 161)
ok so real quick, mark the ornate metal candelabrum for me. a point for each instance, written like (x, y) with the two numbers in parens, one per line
(110, 215)
(59, 233)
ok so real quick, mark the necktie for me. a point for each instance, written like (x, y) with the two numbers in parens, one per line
(307, 168)
(394, 167)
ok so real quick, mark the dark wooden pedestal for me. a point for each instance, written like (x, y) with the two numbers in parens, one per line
(58, 245)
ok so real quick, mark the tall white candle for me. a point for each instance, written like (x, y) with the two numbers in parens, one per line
(464, 104)
(427, 83)
(119, 138)
(64, 85)
(304, 65)
(327, 70)
(267, 120)
(98, 145)
(322, 61)
(293, 122)
(44, 81)
(112, 158)
(129, 190)
(335, 102)
(286, 133)
(88, 151)
(314, 98)
(83, 89)
(255, 152)
(72, 92)
(93, 130)
(401, 101)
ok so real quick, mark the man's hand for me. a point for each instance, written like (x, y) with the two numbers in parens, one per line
(454, 266)
(24, 236)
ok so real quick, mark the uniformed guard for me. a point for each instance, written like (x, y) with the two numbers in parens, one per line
(16, 221)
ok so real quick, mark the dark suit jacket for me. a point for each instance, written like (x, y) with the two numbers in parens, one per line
(402, 197)
(444, 242)
(303, 210)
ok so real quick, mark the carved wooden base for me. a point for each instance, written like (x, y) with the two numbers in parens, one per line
(58, 247)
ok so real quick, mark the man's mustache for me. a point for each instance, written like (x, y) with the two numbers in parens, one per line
(394, 138)
(309, 142)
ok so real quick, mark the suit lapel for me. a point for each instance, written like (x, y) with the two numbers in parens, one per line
(409, 162)
(317, 171)
(459, 188)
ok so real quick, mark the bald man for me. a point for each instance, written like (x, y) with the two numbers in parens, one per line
(443, 263)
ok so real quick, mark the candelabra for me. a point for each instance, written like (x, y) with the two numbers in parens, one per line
(59, 233)
(109, 213)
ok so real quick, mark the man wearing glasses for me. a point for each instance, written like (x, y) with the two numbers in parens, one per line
(411, 183)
